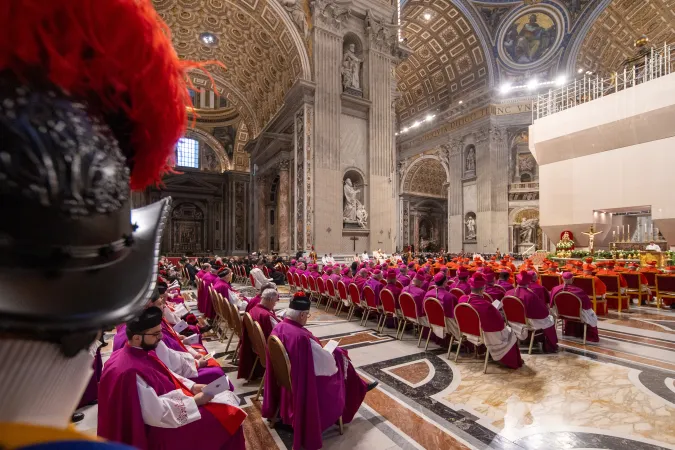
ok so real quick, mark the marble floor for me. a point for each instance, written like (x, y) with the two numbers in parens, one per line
(615, 394)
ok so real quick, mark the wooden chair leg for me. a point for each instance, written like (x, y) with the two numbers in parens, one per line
(585, 328)
(398, 329)
(426, 346)
(487, 355)
(275, 419)
(342, 427)
(450, 346)
(419, 340)
(529, 351)
(365, 318)
(253, 368)
(257, 395)
(229, 341)
(459, 345)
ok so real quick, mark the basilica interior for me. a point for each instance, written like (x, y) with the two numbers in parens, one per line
(532, 128)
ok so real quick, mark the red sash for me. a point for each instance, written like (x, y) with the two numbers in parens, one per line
(230, 417)
(197, 347)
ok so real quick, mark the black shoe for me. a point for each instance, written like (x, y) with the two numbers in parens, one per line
(92, 403)
(372, 386)
(76, 417)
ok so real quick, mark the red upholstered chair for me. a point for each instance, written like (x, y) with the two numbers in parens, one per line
(252, 280)
(549, 281)
(468, 322)
(371, 304)
(665, 289)
(588, 286)
(313, 292)
(515, 312)
(321, 290)
(399, 284)
(355, 299)
(614, 292)
(290, 281)
(452, 272)
(297, 281)
(383, 282)
(332, 294)
(388, 307)
(344, 297)
(436, 317)
(569, 308)
(651, 279)
(409, 312)
(633, 289)
(457, 293)
(266, 271)
(305, 284)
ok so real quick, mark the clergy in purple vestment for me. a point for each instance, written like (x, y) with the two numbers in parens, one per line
(346, 277)
(504, 276)
(495, 291)
(327, 271)
(335, 275)
(325, 386)
(203, 300)
(361, 279)
(500, 340)
(538, 289)
(314, 271)
(90, 395)
(537, 313)
(415, 289)
(587, 314)
(263, 313)
(440, 291)
(391, 285)
(256, 300)
(375, 285)
(462, 283)
(403, 276)
(144, 404)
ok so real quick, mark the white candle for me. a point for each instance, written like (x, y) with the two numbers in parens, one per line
(629, 232)
(614, 235)
(651, 230)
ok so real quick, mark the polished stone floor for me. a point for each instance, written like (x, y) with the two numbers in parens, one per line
(615, 394)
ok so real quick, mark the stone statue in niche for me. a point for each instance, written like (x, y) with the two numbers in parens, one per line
(470, 164)
(351, 71)
(297, 13)
(528, 230)
(353, 212)
(470, 227)
(211, 162)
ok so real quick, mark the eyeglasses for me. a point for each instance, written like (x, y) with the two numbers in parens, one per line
(156, 335)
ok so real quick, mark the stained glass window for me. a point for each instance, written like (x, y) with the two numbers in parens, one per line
(187, 153)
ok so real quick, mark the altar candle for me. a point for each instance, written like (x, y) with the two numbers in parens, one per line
(651, 231)
(614, 235)
(629, 232)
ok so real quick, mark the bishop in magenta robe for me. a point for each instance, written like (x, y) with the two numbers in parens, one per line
(263, 313)
(588, 316)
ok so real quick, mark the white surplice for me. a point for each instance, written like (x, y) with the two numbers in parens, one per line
(181, 363)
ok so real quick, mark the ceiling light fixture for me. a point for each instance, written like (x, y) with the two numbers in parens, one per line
(427, 16)
(580, 71)
(208, 39)
(562, 79)
(461, 101)
(506, 87)
(430, 117)
(532, 84)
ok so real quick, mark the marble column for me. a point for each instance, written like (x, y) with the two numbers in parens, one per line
(416, 232)
(283, 208)
(499, 154)
(484, 169)
(261, 181)
(455, 198)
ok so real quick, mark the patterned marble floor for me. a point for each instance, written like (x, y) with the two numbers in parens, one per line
(616, 394)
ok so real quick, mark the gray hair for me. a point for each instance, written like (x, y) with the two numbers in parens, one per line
(293, 314)
(206, 266)
(477, 290)
(269, 295)
(568, 280)
(266, 286)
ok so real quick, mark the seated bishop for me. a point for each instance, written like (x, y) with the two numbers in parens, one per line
(588, 316)
(144, 404)
(500, 339)
(325, 386)
(263, 313)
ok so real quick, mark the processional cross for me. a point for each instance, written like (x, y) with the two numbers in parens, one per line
(354, 239)
(591, 238)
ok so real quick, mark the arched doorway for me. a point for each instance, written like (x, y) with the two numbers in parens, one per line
(187, 229)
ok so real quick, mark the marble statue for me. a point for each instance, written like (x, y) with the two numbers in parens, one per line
(528, 231)
(354, 211)
(470, 164)
(470, 227)
(295, 10)
(351, 68)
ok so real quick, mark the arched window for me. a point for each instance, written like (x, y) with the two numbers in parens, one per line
(187, 153)
(525, 178)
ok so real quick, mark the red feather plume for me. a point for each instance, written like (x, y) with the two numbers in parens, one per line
(117, 55)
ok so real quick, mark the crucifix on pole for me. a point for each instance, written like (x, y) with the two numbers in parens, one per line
(354, 239)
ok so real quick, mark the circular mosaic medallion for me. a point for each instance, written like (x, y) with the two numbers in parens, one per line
(530, 37)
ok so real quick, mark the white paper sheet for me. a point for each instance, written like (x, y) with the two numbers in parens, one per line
(331, 346)
(180, 310)
(180, 326)
(497, 304)
(194, 339)
(217, 386)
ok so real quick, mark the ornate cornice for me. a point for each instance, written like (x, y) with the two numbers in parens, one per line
(382, 36)
(331, 14)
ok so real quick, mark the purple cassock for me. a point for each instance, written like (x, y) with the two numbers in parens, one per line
(536, 310)
(496, 292)
(203, 300)
(417, 295)
(499, 339)
(120, 418)
(252, 302)
(448, 300)
(223, 288)
(376, 286)
(505, 284)
(205, 375)
(395, 290)
(91, 393)
(347, 281)
(403, 279)
(267, 319)
(335, 277)
(541, 292)
(462, 285)
(316, 402)
(587, 314)
(314, 274)
(359, 281)
(200, 273)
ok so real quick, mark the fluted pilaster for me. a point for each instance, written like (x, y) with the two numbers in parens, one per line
(283, 208)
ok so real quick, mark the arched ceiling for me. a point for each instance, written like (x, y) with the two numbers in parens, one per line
(610, 39)
(426, 177)
(257, 43)
(447, 62)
